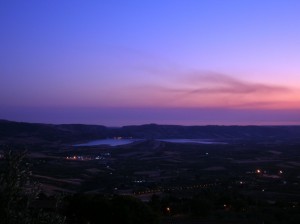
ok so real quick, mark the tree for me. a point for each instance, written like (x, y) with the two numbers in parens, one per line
(18, 192)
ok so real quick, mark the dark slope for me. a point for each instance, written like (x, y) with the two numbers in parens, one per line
(213, 132)
(79, 132)
(49, 132)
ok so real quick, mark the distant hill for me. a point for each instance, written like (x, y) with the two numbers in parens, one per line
(80, 132)
(213, 132)
(50, 132)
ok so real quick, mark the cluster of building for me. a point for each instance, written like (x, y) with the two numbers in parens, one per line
(102, 156)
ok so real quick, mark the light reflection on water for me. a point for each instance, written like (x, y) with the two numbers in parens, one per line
(198, 141)
(110, 142)
(117, 142)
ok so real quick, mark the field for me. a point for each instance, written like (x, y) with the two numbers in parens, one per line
(241, 180)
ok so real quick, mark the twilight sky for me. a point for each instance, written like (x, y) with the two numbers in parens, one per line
(152, 61)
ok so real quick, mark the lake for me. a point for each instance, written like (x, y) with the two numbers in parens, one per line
(197, 141)
(117, 142)
(110, 142)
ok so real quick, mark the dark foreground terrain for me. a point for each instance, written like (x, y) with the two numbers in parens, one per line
(249, 174)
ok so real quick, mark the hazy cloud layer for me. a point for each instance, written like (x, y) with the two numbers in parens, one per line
(207, 89)
(214, 83)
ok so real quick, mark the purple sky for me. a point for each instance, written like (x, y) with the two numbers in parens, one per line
(165, 61)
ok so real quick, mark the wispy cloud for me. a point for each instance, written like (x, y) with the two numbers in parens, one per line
(209, 90)
(215, 83)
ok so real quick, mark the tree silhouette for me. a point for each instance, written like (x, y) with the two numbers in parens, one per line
(18, 192)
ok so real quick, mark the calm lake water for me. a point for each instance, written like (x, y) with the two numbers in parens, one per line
(117, 142)
(110, 142)
(197, 141)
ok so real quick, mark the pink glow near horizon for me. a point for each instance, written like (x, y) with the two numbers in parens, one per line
(173, 56)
